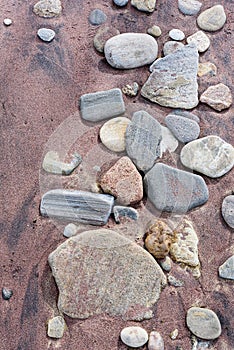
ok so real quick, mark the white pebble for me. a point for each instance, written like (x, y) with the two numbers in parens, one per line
(134, 336)
(7, 21)
(70, 230)
(176, 34)
(46, 34)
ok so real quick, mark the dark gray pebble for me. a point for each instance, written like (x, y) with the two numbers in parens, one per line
(97, 17)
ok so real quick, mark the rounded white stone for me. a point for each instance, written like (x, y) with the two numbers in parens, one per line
(212, 19)
(134, 336)
(7, 21)
(112, 133)
(200, 39)
(70, 230)
(176, 34)
(46, 34)
(130, 50)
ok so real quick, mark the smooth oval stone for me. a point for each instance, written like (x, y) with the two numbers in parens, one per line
(46, 34)
(154, 31)
(212, 19)
(70, 230)
(171, 46)
(189, 7)
(120, 3)
(176, 34)
(203, 323)
(7, 21)
(186, 114)
(209, 155)
(97, 17)
(155, 341)
(217, 96)
(134, 336)
(200, 39)
(112, 133)
(184, 129)
(227, 269)
(130, 50)
(228, 210)
(6, 293)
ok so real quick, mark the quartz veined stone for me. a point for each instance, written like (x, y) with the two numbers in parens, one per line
(102, 105)
(70, 205)
(174, 190)
(173, 82)
(130, 50)
(100, 271)
(143, 137)
(144, 5)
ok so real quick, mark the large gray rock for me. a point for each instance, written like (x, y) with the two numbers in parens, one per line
(100, 271)
(130, 50)
(173, 82)
(80, 206)
(227, 269)
(143, 137)
(228, 210)
(102, 105)
(184, 129)
(174, 190)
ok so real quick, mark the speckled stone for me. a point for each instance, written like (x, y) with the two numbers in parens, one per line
(112, 133)
(97, 17)
(171, 46)
(217, 96)
(134, 336)
(207, 68)
(154, 31)
(155, 341)
(209, 155)
(130, 50)
(176, 34)
(144, 5)
(226, 270)
(131, 89)
(95, 253)
(203, 323)
(201, 40)
(120, 3)
(104, 33)
(212, 19)
(169, 142)
(228, 210)
(184, 129)
(56, 327)
(174, 190)
(46, 34)
(189, 7)
(48, 8)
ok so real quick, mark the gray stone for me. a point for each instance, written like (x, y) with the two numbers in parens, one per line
(189, 7)
(212, 19)
(173, 82)
(209, 155)
(79, 206)
(48, 8)
(203, 323)
(120, 3)
(184, 129)
(155, 341)
(173, 281)
(6, 293)
(70, 230)
(171, 47)
(7, 21)
(174, 190)
(97, 17)
(120, 211)
(217, 96)
(112, 133)
(130, 50)
(186, 114)
(143, 137)
(46, 34)
(200, 39)
(165, 263)
(228, 210)
(102, 105)
(52, 164)
(92, 268)
(134, 336)
(154, 31)
(144, 5)
(176, 34)
(104, 33)
(56, 327)
(227, 269)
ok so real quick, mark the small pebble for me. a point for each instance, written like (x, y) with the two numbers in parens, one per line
(207, 68)
(6, 293)
(189, 7)
(120, 3)
(112, 133)
(227, 269)
(217, 96)
(228, 210)
(176, 34)
(46, 34)
(70, 230)
(175, 282)
(184, 129)
(7, 22)
(165, 264)
(171, 46)
(134, 336)
(56, 327)
(120, 211)
(144, 5)
(154, 31)
(174, 334)
(131, 90)
(155, 341)
(212, 19)
(97, 17)
(200, 39)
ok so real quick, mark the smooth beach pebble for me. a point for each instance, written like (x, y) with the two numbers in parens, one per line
(112, 133)
(7, 21)
(97, 17)
(189, 7)
(134, 336)
(154, 31)
(176, 34)
(212, 19)
(46, 34)
(120, 3)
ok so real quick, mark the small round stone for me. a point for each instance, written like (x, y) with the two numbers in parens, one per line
(97, 17)
(70, 230)
(228, 210)
(212, 19)
(46, 34)
(6, 293)
(155, 341)
(189, 7)
(120, 3)
(7, 21)
(171, 46)
(56, 327)
(176, 34)
(154, 31)
(200, 39)
(134, 336)
(112, 133)
(203, 323)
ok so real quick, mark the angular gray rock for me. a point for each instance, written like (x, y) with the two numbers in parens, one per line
(56, 327)
(189, 7)
(130, 50)
(92, 268)
(144, 5)
(173, 82)
(120, 211)
(226, 270)
(169, 142)
(143, 137)
(102, 105)
(97, 17)
(155, 341)
(228, 210)
(184, 129)
(48, 8)
(212, 19)
(174, 190)
(79, 206)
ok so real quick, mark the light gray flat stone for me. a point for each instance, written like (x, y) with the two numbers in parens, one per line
(130, 50)
(102, 105)
(70, 230)
(186, 114)
(176, 34)
(120, 3)
(134, 336)
(212, 19)
(48, 8)
(52, 164)
(143, 137)
(200, 39)
(189, 7)
(79, 206)
(184, 129)
(227, 269)
(174, 190)
(144, 5)
(56, 327)
(173, 82)
(97, 17)
(228, 210)
(209, 155)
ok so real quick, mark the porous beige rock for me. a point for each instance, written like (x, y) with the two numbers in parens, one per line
(206, 68)
(112, 133)
(48, 8)
(131, 89)
(144, 5)
(217, 96)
